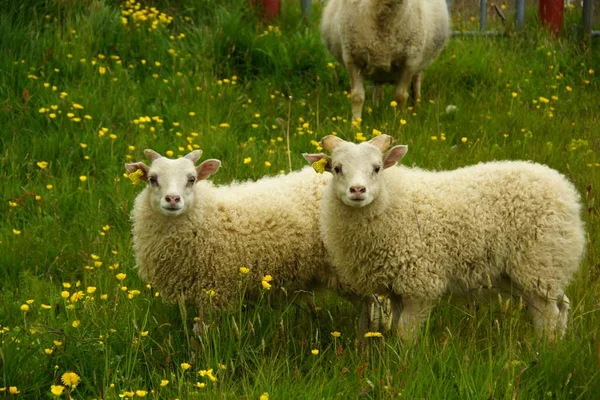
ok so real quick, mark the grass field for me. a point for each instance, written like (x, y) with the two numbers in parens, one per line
(85, 86)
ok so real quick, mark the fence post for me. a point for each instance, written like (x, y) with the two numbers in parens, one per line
(482, 14)
(588, 11)
(520, 14)
(306, 6)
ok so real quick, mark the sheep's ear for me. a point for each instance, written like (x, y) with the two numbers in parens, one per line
(382, 142)
(394, 155)
(194, 156)
(133, 167)
(207, 168)
(330, 142)
(315, 160)
(151, 155)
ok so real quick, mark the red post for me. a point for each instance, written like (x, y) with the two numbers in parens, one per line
(551, 14)
(269, 8)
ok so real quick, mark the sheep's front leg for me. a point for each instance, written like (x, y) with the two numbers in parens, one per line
(549, 315)
(417, 79)
(357, 90)
(409, 314)
(401, 95)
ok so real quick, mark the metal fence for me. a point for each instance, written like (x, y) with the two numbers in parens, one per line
(587, 6)
(588, 14)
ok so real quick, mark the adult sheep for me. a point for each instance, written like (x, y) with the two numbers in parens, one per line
(385, 41)
(419, 235)
(192, 238)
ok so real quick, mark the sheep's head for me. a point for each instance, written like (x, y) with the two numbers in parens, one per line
(171, 182)
(357, 168)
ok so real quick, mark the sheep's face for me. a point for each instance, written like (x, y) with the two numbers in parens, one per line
(171, 182)
(357, 168)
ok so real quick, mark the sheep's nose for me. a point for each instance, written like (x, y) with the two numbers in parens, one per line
(172, 199)
(358, 189)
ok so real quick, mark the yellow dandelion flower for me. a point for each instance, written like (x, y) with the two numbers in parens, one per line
(264, 396)
(185, 366)
(91, 289)
(24, 308)
(200, 385)
(336, 334)
(121, 276)
(42, 164)
(164, 382)
(141, 393)
(224, 125)
(244, 270)
(71, 379)
(46, 306)
(102, 70)
(57, 390)
(13, 390)
(402, 122)
(77, 106)
(134, 177)
(464, 139)
(544, 100)
(267, 278)
(65, 294)
(76, 323)
(266, 285)
(373, 334)
(169, 153)
(514, 94)
(48, 351)
(393, 104)
(83, 178)
(247, 160)
(315, 352)
(16, 231)
(319, 166)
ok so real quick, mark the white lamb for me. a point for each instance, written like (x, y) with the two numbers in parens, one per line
(191, 238)
(385, 41)
(419, 235)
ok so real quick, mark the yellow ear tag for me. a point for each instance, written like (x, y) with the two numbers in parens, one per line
(319, 166)
(135, 177)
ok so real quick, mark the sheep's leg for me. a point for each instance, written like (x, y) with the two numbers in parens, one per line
(417, 79)
(363, 307)
(357, 91)
(546, 315)
(377, 95)
(401, 95)
(564, 307)
(409, 315)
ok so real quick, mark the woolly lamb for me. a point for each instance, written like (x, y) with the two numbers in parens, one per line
(190, 237)
(419, 235)
(385, 41)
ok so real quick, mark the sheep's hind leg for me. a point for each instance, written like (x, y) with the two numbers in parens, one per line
(357, 91)
(377, 95)
(417, 79)
(549, 320)
(401, 95)
(409, 314)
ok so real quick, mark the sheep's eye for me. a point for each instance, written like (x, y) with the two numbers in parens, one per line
(153, 180)
(377, 169)
(337, 169)
(191, 180)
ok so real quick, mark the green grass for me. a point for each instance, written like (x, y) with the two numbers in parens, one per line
(129, 340)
